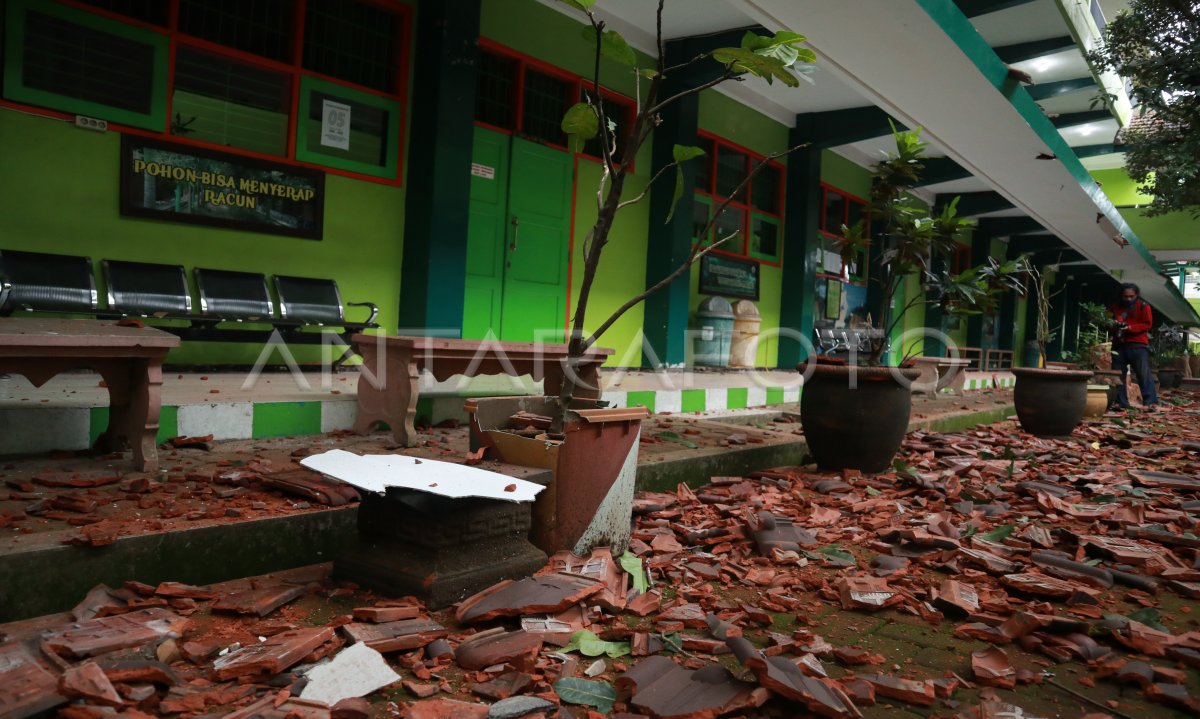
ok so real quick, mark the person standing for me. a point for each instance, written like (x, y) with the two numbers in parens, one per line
(1132, 320)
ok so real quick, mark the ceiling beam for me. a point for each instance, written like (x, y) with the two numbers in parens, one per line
(975, 8)
(975, 203)
(1036, 243)
(842, 127)
(941, 169)
(1047, 90)
(1021, 51)
(1070, 119)
(1094, 150)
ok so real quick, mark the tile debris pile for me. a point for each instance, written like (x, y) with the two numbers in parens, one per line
(741, 598)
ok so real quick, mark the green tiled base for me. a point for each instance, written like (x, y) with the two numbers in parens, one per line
(644, 399)
(168, 423)
(282, 419)
(693, 400)
(736, 397)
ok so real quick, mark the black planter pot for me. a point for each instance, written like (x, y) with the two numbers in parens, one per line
(1050, 402)
(857, 427)
(1170, 379)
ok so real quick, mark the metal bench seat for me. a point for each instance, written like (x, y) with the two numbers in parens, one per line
(40, 282)
(312, 301)
(148, 290)
(235, 296)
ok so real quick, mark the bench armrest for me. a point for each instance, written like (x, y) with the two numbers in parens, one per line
(372, 305)
(5, 290)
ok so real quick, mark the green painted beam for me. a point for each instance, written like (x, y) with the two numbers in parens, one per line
(975, 203)
(800, 241)
(1070, 119)
(1022, 51)
(434, 268)
(842, 127)
(669, 244)
(1035, 243)
(941, 169)
(1010, 226)
(975, 8)
(1094, 150)
(1047, 90)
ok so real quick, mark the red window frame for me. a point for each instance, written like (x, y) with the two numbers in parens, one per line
(294, 68)
(748, 208)
(578, 84)
(848, 198)
(961, 259)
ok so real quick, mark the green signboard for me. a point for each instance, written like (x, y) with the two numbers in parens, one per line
(180, 183)
(729, 276)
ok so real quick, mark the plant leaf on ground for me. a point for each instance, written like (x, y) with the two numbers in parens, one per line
(586, 692)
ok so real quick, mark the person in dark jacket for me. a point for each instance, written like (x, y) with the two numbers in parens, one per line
(1132, 320)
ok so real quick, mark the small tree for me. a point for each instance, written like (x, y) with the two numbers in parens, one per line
(776, 57)
(908, 237)
(1155, 44)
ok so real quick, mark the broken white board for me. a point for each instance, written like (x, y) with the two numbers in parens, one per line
(355, 672)
(377, 472)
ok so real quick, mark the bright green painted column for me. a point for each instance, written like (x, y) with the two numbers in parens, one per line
(439, 166)
(802, 209)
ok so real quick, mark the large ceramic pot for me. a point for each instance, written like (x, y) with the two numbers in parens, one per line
(1097, 400)
(1050, 402)
(1169, 379)
(856, 417)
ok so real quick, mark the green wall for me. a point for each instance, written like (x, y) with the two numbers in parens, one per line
(61, 196)
(1172, 231)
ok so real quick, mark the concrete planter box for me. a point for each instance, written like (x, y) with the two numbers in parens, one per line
(589, 501)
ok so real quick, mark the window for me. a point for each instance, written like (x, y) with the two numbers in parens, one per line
(79, 62)
(840, 209)
(353, 41)
(260, 77)
(1191, 283)
(226, 102)
(961, 260)
(261, 27)
(756, 216)
(370, 145)
(521, 95)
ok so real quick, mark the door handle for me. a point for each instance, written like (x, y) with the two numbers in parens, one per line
(516, 233)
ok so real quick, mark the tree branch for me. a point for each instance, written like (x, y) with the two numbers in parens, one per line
(642, 196)
(727, 75)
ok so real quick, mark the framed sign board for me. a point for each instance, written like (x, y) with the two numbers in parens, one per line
(180, 183)
(729, 277)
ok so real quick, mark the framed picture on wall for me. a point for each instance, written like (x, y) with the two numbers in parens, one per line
(833, 300)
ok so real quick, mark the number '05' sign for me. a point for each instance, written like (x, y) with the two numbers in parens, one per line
(335, 125)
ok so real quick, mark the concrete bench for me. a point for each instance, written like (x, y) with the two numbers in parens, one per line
(387, 387)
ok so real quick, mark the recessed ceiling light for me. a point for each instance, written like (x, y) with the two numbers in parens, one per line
(1043, 64)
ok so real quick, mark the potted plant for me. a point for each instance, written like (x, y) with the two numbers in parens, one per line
(855, 413)
(1092, 349)
(1194, 358)
(592, 448)
(1167, 348)
(1049, 401)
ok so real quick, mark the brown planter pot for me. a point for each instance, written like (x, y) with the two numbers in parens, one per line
(589, 503)
(1050, 402)
(859, 427)
(1170, 378)
(1194, 365)
(1097, 400)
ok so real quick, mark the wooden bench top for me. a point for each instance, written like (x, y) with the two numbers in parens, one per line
(450, 346)
(47, 334)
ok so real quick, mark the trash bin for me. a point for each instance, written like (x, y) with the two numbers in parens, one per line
(714, 322)
(743, 349)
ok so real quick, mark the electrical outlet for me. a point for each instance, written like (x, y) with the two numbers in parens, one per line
(91, 123)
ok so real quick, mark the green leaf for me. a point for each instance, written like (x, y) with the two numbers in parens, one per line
(783, 46)
(632, 565)
(588, 644)
(672, 437)
(999, 534)
(672, 642)
(681, 153)
(648, 73)
(581, 123)
(768, 68)
(1150, 617)
(584, 5)
(832, 553)
(601, 695)
(612, 46)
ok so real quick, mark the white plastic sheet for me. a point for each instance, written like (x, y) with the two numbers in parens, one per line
(377, 472)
